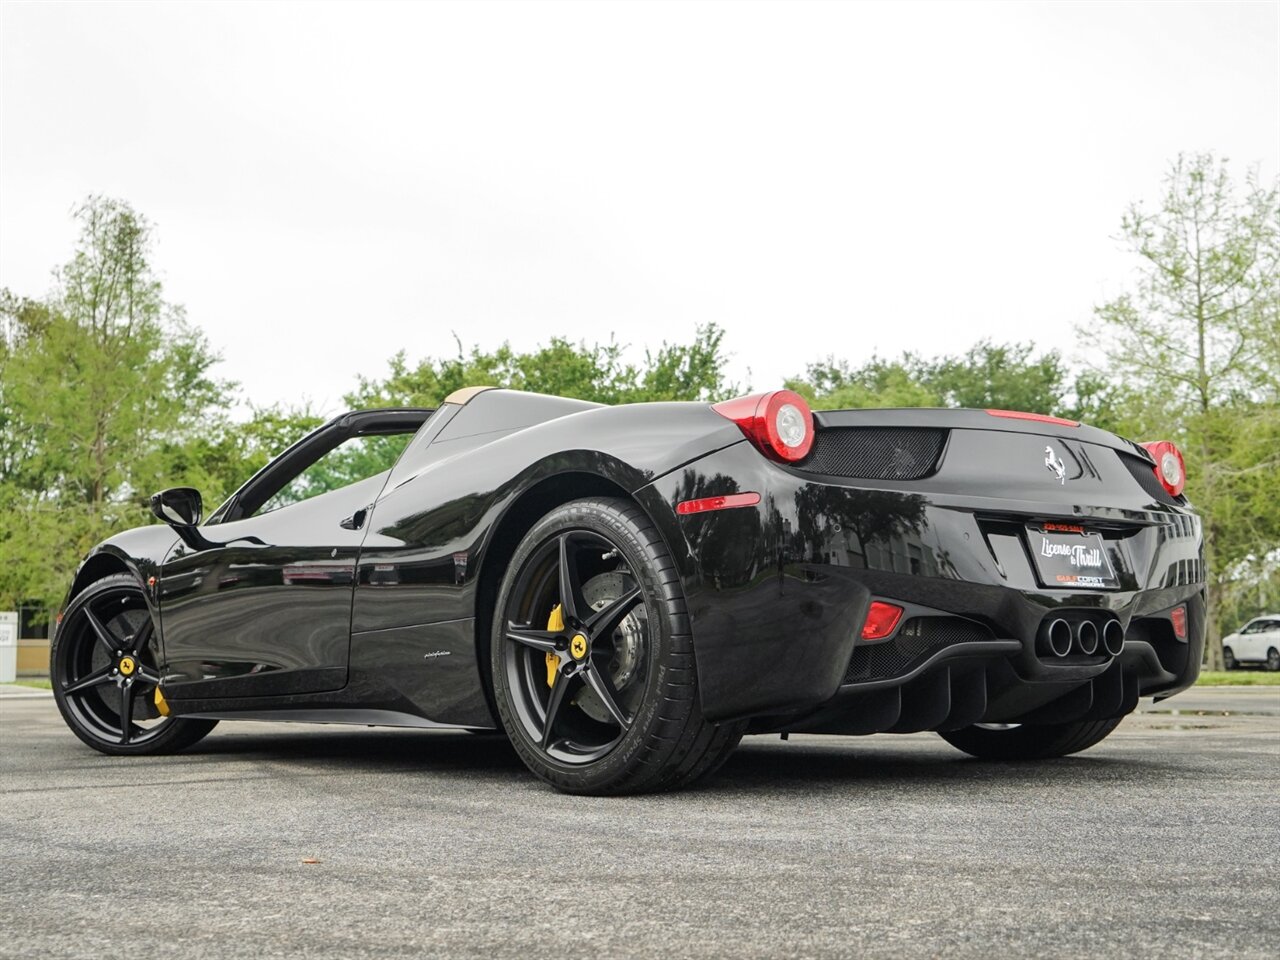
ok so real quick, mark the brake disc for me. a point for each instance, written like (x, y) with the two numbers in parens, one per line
(629, 645)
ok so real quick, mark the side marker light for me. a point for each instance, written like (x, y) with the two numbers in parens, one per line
(728, 501)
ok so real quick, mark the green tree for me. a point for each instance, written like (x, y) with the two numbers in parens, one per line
(1002, 376)
(1006, 376)
(223, 453)
(92, 380)
(681, 371)
(684, 371)
(1198, 336)
(835, 385)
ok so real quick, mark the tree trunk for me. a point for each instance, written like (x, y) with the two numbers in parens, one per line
(1213, 630)
(1213, 590)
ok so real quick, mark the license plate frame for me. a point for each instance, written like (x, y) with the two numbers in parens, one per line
(1069, 557)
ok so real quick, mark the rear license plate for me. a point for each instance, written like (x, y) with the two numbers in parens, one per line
(1066, 556)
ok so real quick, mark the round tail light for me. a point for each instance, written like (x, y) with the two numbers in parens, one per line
(779, 423)
(1171, 469)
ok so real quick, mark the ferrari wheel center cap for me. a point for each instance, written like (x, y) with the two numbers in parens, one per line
(127, 666)
(578, 646)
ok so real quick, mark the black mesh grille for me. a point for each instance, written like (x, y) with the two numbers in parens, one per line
(919, 639)
(1145, 474)
(875, 453)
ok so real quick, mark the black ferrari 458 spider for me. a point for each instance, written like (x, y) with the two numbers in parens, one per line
(626, 591)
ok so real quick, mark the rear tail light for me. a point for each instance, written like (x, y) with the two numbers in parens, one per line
(882, 620)
(1171, 469)
(779, 423)
(1178, 616)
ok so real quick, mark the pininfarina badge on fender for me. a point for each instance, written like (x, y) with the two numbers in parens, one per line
(626, 591)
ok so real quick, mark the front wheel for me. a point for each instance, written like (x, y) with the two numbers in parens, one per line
(104, 674)
(593, 669)
(1027, 741)
(1273, 659)
(1228, 659)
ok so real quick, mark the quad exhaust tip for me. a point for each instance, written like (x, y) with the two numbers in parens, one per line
(1113, 638)
(1055, 637)
(1087, 637)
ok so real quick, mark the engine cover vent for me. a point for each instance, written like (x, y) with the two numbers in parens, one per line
(876, 453)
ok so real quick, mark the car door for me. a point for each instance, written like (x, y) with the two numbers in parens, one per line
(264, 608)
(1257, 639)
(1239, 643)
(1268, 638)
(1250, 642)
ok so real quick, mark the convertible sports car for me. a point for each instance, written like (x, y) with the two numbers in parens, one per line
(625, 591)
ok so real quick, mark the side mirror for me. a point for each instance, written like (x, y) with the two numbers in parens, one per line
(178, 506)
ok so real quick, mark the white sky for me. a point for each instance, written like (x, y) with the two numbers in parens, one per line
(331, 183)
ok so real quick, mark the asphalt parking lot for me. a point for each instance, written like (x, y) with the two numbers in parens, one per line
(1162, 841)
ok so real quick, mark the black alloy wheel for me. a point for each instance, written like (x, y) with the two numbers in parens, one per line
(592, 660)
(104, 673)
(1273, 659)
(1228, 659)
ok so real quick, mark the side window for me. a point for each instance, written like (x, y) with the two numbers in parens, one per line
(349, 462)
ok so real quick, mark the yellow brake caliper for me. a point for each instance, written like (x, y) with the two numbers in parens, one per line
(555, 623)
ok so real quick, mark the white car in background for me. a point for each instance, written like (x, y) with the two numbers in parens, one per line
(1258, 641)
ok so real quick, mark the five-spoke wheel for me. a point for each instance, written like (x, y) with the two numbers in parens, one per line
(104, 673)
(579, 642)
(592, 662)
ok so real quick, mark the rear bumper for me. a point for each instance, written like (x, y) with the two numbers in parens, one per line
(777, 594)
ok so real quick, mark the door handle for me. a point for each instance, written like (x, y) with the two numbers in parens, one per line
(356, 520)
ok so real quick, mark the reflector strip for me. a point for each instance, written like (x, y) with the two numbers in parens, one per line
(726, 502)
(882, 620)
(1038, 417)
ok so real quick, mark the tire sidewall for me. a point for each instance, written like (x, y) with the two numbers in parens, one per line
(613, 524)
(178, 731)
(1031, 741)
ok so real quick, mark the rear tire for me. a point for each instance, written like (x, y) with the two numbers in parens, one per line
(1030, 741)
(592, 656)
